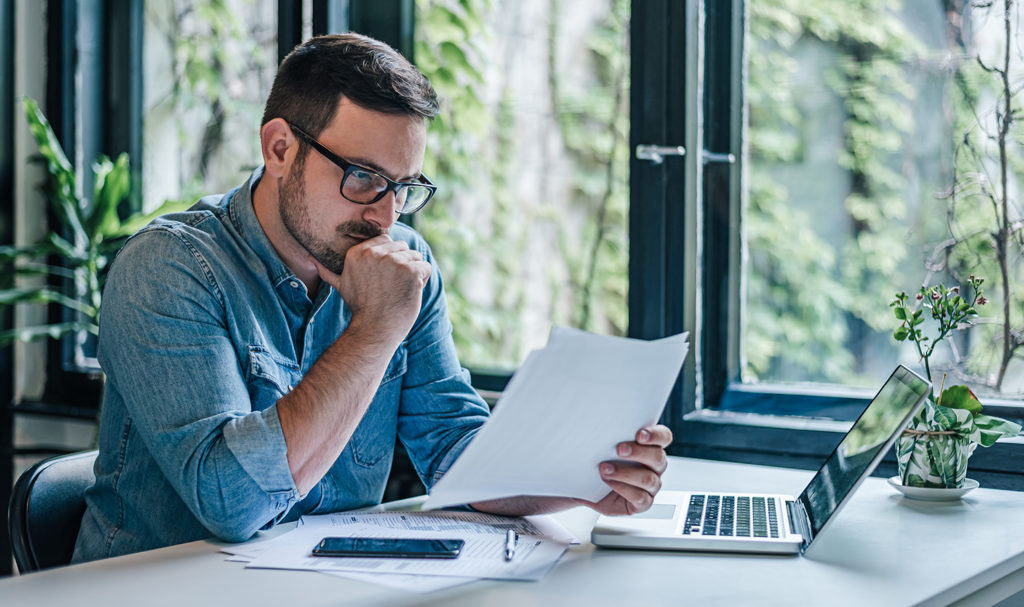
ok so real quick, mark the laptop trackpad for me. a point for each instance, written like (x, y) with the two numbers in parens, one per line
(658, 512)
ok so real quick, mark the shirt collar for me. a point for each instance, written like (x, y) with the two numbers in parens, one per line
(243, 216)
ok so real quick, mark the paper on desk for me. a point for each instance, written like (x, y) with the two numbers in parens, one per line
(246, 553)
(442, 521)
(482, 556)
(562, 414)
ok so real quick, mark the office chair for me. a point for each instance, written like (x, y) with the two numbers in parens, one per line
(46, 510)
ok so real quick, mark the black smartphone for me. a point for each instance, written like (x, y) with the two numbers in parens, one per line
(389, 547)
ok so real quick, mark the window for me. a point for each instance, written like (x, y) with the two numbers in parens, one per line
(530, 152)
(866, 144)
(867, 125)
(207, 69)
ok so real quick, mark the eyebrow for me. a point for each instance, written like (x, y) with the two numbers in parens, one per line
(370, 165)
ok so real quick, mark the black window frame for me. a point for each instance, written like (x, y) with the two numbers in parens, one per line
(724, 421)
(684, 213)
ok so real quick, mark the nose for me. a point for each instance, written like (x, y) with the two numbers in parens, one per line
(383, 212)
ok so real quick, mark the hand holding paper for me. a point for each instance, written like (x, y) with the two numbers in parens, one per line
(562, 414)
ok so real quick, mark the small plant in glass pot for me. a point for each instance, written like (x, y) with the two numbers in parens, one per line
(934, 449)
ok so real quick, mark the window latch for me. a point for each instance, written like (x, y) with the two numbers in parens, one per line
(709, 157)
(657, 153)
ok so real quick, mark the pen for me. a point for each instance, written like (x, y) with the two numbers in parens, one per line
(511, 541)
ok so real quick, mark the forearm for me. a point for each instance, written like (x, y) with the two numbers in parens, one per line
(523, 505)
(319, 416)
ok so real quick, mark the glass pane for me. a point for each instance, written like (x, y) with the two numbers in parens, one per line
(208, 66)
(530, 154)
(874, 166)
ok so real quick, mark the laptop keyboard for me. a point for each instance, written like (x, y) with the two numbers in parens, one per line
(731, 516)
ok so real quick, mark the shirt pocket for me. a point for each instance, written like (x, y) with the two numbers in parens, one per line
(269, 377)
(374, 438)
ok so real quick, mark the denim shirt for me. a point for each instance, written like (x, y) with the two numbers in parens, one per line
(203, 328)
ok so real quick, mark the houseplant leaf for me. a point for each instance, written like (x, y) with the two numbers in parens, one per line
(960, 397)
(112, 185)
(54, 331)
(140, 220)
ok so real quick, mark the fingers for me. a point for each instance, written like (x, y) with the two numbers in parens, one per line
(638, 477)
(654, 435)
(623, 499)
(648, 449)
(382, 247)
(649, 456)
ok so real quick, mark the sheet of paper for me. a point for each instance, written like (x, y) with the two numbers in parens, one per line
(246, 553)
(437, 521)
(561, 415)
(482, 556)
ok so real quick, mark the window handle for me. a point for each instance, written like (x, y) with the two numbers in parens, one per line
(709, 157)
(656, 153)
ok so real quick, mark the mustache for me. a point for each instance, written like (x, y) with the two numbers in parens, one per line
(360, 229)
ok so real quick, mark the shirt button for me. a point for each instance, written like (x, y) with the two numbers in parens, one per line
(294, 284)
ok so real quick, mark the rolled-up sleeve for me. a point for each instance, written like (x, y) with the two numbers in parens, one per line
(166, 347)
(440, 412)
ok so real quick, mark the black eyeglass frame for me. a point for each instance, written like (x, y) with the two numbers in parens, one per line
(349, 168)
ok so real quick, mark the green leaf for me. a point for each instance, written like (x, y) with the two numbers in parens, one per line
(62, 176)
(44, 295)
(113, 182)
(992, 429)
(960, 397)
(138, 221)
(900, 312)
(901, 333)
(8, 254)
(54, 331)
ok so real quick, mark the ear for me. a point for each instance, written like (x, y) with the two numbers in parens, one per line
(279, 147)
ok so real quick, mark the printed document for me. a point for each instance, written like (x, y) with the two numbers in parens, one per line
(562, 414)
(542, 542)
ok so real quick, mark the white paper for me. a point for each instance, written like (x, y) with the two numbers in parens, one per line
(561, 415)
(481, 557)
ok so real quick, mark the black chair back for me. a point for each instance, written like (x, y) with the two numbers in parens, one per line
(46, 510)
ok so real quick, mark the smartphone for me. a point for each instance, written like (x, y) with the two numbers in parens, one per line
(389, 547)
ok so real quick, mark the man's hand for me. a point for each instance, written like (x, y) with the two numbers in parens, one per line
(634, 479)
(382, 282)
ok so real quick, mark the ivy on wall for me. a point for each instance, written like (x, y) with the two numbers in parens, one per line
(514, 257)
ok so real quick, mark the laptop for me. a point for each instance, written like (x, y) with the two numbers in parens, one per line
(780, 524)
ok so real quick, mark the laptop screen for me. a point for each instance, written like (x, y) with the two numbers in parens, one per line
(863, 446)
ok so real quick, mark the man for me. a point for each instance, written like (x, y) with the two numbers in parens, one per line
(264, 349)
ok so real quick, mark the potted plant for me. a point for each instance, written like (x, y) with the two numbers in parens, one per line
(934, 449)
(74, 256)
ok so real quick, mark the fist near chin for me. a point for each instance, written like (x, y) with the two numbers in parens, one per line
(384, 277)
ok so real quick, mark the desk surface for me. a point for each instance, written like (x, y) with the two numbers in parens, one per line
(882, 550)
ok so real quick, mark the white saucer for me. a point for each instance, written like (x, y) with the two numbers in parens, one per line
(933, 494)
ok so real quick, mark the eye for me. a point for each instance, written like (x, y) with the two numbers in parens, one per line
(364, 178)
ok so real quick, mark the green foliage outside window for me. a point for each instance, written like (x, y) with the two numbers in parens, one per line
(479, 225)
(807, 296)
(924, 97)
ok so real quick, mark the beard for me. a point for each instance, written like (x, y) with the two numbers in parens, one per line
(296, 219)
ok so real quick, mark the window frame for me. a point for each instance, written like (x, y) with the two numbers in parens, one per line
(802, 425)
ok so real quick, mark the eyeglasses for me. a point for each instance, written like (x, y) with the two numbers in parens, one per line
(366, 186)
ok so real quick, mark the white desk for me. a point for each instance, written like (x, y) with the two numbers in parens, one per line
(882, 550)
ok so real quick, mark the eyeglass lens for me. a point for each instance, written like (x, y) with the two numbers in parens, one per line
(365, 186)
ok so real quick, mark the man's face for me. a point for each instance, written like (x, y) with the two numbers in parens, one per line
(312, 208)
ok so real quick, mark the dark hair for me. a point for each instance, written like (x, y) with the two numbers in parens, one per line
(314, 77)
